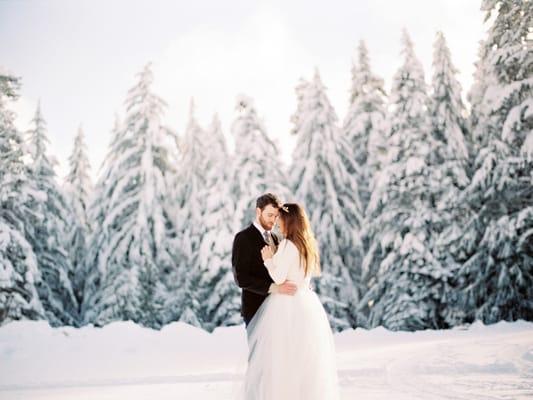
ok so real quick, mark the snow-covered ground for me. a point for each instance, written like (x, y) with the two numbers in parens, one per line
(126, 361)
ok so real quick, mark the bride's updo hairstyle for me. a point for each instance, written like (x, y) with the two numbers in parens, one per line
(298, 230)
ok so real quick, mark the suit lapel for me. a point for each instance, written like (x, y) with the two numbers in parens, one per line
(256, 233)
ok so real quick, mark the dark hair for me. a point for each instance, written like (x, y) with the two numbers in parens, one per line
(266, 199)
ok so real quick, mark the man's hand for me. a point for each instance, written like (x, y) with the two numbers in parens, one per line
(287, 287)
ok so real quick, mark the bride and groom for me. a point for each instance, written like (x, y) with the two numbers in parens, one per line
(291, 349)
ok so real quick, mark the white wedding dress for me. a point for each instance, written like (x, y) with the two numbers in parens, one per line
(291, 348)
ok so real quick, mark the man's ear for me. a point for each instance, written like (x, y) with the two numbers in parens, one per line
(257, 212)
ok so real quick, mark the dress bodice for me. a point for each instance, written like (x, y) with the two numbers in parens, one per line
(286, 265)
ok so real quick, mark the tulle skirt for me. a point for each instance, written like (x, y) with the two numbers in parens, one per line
(291, 350)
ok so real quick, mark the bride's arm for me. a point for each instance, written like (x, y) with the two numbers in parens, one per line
(278, 265)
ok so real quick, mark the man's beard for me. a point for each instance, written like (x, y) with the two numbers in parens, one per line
(266, 226)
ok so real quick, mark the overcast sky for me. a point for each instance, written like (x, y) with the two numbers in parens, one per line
(81, 57)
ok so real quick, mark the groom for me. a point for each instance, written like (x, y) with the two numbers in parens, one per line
(248, 269)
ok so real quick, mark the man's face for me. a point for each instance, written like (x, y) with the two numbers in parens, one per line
(267, 217)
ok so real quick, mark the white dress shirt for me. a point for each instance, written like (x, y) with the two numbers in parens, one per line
(260, 228)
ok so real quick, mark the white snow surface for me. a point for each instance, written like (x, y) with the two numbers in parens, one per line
(126, 361)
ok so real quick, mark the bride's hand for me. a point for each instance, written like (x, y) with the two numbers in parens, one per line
(266, 253)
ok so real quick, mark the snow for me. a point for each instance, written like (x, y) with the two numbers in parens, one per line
(126, 361)
(527, 147)
(414, 165)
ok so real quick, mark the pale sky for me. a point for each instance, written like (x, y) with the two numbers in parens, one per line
(81, 57)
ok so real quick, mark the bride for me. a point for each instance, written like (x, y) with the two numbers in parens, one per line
(291, 348)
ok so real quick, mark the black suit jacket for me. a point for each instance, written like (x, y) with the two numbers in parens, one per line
(248, 269)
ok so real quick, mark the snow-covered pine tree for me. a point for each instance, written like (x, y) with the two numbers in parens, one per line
(448, 165)
(50, 227)
(447, 110)
(408, 280)
(221, 300)
(297, 118)
(218, 155)
(256, 167)
(78, 187)
(19, 273)
(136, 225)
(183, 285)
(478, 117)
(364, 126)
(322, 183)
(364, 123)
(495, 245)
(97, 211)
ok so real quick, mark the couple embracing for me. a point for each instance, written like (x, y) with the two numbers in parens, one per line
(290, 342)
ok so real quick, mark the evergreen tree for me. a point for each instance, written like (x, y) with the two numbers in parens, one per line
(364, 122)
(221, 304)
(479, 109)
(183, 302)
(447, 110)
(98, 209)
(136, 226)
(495, 245)
(55, 290)
(256, 167)
(218, 155)
(407, 280)
(449, 164)
(322, 182)
(364, 126)
(78, 188)
(19, 273)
